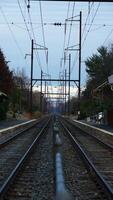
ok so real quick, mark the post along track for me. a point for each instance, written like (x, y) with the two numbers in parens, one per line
(96, 154)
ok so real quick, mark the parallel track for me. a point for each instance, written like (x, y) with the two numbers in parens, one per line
(11, 154)
(9, 137)
(98, 156)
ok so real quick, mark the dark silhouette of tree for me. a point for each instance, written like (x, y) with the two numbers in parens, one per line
(6, 76)
(99, 66)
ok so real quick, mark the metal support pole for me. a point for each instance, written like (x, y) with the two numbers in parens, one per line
(69, 85)
(45, 89)
(65, 90)
(79, 83)
(41, 92)
(31, 97)
(63, 95)
(45, 99)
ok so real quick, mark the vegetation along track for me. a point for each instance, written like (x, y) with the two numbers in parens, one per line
(33, 178)
(98, 156)
(12, 151)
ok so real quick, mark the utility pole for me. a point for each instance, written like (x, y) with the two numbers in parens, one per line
(45, 88)
(73, 48)
(41, 91)
(65, 91)
(45, 103)
(80, 32)
(63, 94)
(31, 95)
(69, 85)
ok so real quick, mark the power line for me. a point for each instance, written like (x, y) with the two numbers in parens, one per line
(91, 23)
(65, 32)
(71, 24)
(87, 18)
(109, 34)
(12, 34)
(50, 23)
(75, 60)
(32, 29)
(24, 20)
(88, 15)
(43, 34)
(72, 16)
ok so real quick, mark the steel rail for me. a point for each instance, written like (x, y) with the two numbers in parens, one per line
(77, 0)
(90, 166)
(108, 146)
(11, 138)
(20, 164)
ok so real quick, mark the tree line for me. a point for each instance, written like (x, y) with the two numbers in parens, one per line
(97, 96)
(16, 85)
(99, 67)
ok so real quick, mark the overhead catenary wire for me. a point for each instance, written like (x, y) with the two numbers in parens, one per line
(68, 41)
(33, 34)
(91, 23)
(71, 24)
(29, 34)
(108, 36)
(71, 18)
(50, 23)
(12, 34)
(43, 33)
(86, 35)
(82, 32)
(68, 8)
(88, 15)
(28, 31)
(65, 33)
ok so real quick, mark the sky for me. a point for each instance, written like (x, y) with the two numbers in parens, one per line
(16, 30)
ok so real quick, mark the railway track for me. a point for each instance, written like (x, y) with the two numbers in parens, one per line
(29, 174)
(11, 135)
(33, 178)
(103, 135)
(13, 149)
(97, 155)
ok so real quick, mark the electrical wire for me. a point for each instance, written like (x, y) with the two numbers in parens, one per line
(76, 58)
(12, 34)
(91, 23)
(33, 34)
(71, 24)
(73, 9)
(29, 34)
(88, 15)
(65, 33)
(109, 34)
(43, 33)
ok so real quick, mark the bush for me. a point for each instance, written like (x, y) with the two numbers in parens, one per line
(37, 114)
(3, 110)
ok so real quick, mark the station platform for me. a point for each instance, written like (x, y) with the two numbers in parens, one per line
(10, 122)
(100, 126)
(92, 127)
